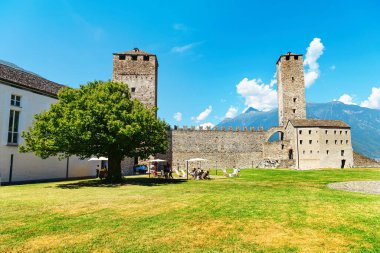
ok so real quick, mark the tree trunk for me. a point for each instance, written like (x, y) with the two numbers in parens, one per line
(114, 169)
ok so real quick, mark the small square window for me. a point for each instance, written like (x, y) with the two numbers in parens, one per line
(15, 100)
(310, 141)
(346, 141)
(303, 152)
(133, 89)
(301, 141)
(326, 132)
(134, 57)
(292, 78)
(334, 131)
(346, 132)
(294, 100)
(327, 152)
(122, 57)
(311, 151)
(342, 152)
(300, 131)
(336, 142)
(341, 141)
(294, 110)
(340, 132)
(327, 141)
(309, 131)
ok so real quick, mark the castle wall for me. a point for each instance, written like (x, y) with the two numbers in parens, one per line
(139, 74)
(222, 149)
(291, 88)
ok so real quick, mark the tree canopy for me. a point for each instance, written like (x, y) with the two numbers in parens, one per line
(98, 119)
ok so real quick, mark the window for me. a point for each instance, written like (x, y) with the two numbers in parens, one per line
(334, 131)
(13, 127)
(336, 142)
(341, 141)
(342, 152)
(301, 142)
(309, 131)
(346, 132)
(294, 100)
(294, 110)
(122, 57)
(327, 152)
(134, 57)
(326, 131)
(15, 100)
(327, 141)
(303, 152)
(133, 89)
(300, 131)
(311, 151)
(310, 141)
(146, 57)
(346, 141)
(340, 132)
(292, 78)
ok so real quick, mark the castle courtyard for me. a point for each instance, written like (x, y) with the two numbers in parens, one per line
(263, 210)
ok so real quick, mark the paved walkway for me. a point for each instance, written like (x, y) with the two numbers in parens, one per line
(372, 187)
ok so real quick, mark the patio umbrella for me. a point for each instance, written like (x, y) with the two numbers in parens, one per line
(98, 159)
(154, 161)
(200, 160)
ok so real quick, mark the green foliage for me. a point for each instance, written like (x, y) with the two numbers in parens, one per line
(98, 119)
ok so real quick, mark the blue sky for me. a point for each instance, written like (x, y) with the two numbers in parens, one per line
(205, 48)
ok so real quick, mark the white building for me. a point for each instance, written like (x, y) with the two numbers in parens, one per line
(22, 95)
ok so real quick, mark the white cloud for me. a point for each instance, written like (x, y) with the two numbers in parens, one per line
(257, 94)
(177, 116)
(346, 99)
(314, 51)
(373, 100)
(184, 48)
(203, 115)
(231, 113)
(333, 67)
(208, 124)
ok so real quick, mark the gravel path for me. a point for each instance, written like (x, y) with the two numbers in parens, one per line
(372, 187)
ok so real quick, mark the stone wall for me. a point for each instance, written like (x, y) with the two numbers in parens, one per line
(222, 148)
(139, 74)
(361, 161)
(291, 88)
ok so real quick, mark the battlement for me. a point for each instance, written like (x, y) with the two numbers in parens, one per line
(289, 56)
(217, 129)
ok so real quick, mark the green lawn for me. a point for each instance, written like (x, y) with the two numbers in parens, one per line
(262, 211)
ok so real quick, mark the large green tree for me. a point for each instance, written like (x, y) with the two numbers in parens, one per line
(98, 119)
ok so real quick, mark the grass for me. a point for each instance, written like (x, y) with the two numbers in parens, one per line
(262, 211)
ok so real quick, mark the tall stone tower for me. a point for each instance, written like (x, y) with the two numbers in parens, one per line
(291, 88)
(138, 69)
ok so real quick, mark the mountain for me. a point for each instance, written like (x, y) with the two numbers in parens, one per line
(364, 122)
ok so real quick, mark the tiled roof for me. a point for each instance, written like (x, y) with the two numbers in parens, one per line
(318, 123)
(135, 51)
(19, 77)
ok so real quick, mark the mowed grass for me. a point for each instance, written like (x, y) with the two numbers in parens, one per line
(262, 211)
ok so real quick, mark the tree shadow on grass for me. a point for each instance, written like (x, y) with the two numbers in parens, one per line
(125, 182)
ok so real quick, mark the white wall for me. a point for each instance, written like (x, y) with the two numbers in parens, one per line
(28, 166)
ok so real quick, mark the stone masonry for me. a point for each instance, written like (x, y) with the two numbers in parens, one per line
(290, 88)
(311, 148)
(138, 69)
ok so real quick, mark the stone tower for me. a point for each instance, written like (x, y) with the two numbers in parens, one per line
(291, 88)
(138, 69)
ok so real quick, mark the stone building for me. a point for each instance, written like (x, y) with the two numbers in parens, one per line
(139, 70)
(303, 143)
